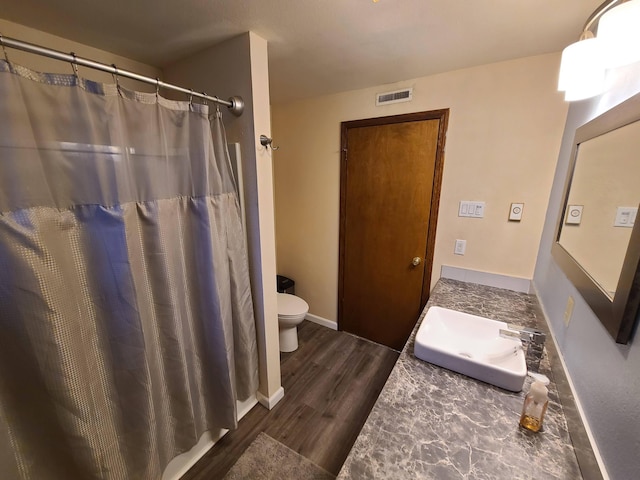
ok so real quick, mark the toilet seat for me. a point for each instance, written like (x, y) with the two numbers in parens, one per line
(291, 306)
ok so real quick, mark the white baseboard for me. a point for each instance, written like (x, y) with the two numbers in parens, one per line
(183, 462)
(517, 284)
(270, 402)
(245, 406)
(322, 321)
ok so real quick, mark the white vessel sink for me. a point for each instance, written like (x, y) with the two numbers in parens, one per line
(471, 345)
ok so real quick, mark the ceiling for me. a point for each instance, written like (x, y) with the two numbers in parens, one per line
(318, 47)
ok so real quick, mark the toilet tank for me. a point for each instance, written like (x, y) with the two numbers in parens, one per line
(285, 285)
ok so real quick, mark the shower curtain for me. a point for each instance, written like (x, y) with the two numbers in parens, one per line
(126, 318)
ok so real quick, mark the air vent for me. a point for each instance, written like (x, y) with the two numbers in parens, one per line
(397, 96)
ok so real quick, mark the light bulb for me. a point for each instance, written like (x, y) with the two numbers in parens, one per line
(619, 31)
(581, 70)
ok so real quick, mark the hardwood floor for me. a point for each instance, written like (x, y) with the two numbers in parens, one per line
(331, 383)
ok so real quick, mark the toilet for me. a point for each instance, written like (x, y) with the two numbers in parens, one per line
(291, 312)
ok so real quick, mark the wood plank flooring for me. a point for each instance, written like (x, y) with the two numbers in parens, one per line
(331, 383)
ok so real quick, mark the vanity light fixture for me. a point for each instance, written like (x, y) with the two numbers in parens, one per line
(610, 38)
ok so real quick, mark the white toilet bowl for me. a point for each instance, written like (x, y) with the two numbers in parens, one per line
(291, 312)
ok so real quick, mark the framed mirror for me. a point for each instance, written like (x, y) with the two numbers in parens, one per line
(597, 241)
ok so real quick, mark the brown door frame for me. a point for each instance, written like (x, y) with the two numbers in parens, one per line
(443, 116)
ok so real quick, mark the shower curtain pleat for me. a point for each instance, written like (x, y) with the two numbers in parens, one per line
(127, 326)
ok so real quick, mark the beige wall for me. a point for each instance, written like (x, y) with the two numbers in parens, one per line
(44, 64)
(505, 126)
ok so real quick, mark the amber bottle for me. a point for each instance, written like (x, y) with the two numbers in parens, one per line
(534, 408)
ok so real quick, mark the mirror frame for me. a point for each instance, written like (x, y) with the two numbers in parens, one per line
(620, 315)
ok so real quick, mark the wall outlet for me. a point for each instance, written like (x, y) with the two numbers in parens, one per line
(461, 246)
(568, 311)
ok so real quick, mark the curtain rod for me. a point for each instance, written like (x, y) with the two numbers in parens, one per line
(235, 104)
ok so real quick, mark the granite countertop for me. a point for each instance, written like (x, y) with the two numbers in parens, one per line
(432, 423)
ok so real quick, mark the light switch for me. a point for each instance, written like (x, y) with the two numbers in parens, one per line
(471, 209)
(515, 214)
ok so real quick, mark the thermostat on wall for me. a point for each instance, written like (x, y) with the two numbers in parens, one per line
(515, 214)
(574, 214)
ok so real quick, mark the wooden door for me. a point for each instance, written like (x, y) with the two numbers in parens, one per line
(390, 185)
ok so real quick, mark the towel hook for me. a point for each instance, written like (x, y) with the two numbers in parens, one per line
(267, 142)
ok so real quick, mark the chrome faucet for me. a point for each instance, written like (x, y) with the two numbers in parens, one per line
(534, 340)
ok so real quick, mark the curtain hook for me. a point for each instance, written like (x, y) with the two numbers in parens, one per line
(75, 66)
(191, 99)
(115, 73)
(157, 88)
(218, 112)
(4, 49)
(206, 102)
(115, 78)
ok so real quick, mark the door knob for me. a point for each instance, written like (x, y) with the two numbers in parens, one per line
(416, 261)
